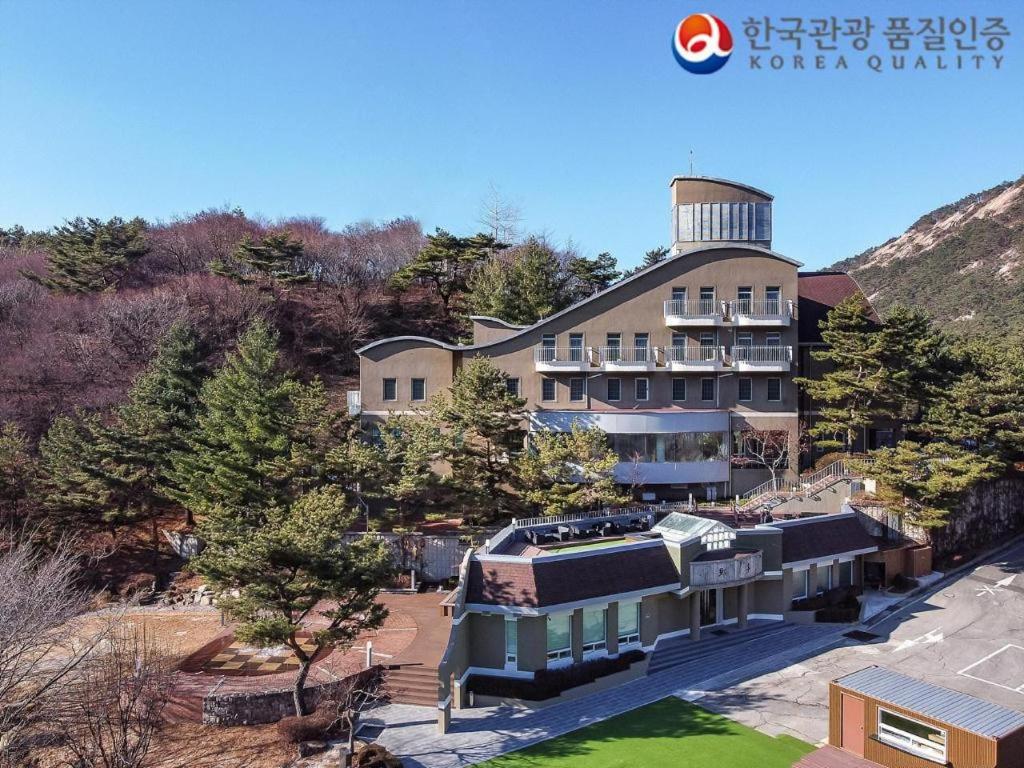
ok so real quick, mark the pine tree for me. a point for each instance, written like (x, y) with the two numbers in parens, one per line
(275, 259)
(236, 459)
(73, 487)
(849, 394)
(589, 276)
(924, 483)
(17, 470)
(481, 418)
(90, 255)
(912, 353)
(294, 573)
(569, 471)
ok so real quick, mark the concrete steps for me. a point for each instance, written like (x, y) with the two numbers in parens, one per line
(412, 684)
(683, 650)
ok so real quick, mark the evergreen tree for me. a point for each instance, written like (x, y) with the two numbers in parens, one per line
(275, 259)
(652, 257)
(89, 255)
(446, 263)
(536, 284)
(294, 573)
(854, 387)
(73, 487)
(154, 424)
(17, 469)
(482, 420)
(589, 276)
(925, 482)
(912, 353)
(237, 457)
(569, 471)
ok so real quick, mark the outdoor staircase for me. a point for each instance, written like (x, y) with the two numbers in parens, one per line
(770, 495)
(412, 684)
(741, 644)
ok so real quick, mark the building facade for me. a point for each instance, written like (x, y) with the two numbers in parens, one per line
(672, 362)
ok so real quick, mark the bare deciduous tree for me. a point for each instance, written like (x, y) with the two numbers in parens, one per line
(499, 217)
(770, 449)
(114, 702)
(347, 701)
(39, 600)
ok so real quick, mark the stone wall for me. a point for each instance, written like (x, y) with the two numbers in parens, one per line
(258, 707)
(990, 513)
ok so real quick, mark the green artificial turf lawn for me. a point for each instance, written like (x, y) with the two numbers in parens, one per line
(667, 733)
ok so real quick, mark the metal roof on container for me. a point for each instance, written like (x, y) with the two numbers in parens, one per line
(947, 706)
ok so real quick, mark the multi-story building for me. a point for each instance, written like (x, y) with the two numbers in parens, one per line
(672, 362)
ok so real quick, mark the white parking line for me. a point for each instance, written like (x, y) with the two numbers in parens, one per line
(964, 671)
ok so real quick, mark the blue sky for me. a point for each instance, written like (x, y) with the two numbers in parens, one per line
(575, 110)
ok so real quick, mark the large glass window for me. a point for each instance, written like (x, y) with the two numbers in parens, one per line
(390, 389)
(774, 390)
(594, 629)
(824, 578)
(559, 635)
(629, 623)
(912, 736)
(846, 574)
(671, 446)
(746, 389)
(511, 641)
(640, 342)
(576, 347)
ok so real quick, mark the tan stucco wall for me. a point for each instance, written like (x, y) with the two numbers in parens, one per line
(404, 361)
(708, 191)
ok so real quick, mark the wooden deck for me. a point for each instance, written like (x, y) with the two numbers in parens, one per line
(833, 757)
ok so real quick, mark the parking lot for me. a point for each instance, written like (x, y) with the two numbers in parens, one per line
(967, 634)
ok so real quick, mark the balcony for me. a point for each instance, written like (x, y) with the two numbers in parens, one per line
(725, 567)
(766, 359)
(627, 359)
(695, 358)
(768, 312)
(561, 359)
(683, 313)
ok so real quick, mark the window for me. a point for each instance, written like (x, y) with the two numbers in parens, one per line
(577, 388)
(678, 294)
(511, 641)
(799, 585)
(419, 389)
(911, 736)
(744, 299)
(373, 436)
(594, 623)
(390, 389)
(643, 389)
(614, 347)
(707, 390)
(629, 623)
(773, 338)
(512, 386)
(547, 390)
(824, 577)
(640, 341)
(746, 389)
(744, 339)
(670, 446)
(774, 390)
(614, 390)
(548, 353)
(846, 574)
(773, 300)
(678, 389)
(576, 347)
(559, 635)
(547, 340)
(707, 301)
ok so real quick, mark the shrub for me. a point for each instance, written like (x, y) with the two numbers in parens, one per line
(296, 729)
(548, 683)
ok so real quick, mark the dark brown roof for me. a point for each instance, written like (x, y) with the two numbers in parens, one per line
(818, 293)
(821, 537)
(546, 581)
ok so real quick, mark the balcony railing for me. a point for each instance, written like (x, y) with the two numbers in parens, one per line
(628, 355)
(553, 355)
(723, 567)
(695, 309)
(695, 353)
(761, 308)
(771, 353)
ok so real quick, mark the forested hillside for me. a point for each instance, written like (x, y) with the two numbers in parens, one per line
(962, 263)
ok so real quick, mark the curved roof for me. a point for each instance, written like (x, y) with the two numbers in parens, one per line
(498, 320)
(727, 182)
(722, 246)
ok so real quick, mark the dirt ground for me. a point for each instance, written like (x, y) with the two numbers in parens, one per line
(192, 745)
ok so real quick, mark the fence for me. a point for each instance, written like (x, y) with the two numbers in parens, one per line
(434, 558)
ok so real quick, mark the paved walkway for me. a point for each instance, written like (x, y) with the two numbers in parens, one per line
(482, 733)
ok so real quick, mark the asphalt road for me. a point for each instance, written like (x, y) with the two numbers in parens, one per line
(967, 634)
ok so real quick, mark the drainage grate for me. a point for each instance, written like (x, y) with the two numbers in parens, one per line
(370, 732)
(861, 636)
